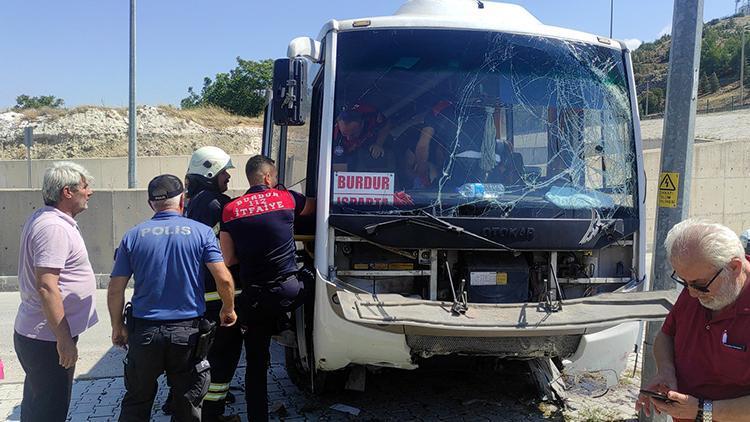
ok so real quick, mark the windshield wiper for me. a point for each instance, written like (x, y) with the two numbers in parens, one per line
(410, 219)
(457, 229)
(435, 223)
(599, 226)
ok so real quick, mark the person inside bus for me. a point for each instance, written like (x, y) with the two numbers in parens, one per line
(359, 139)
(510, 168)
(426, 153)
(426, 146)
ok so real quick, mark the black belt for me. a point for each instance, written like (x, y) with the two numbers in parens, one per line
(142, 322)
(270, 284)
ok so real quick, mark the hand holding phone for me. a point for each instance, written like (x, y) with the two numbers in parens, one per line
(657, 395)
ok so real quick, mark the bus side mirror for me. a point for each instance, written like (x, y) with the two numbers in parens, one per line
(289, 91)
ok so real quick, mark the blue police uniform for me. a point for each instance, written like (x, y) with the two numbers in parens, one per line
(166, 256)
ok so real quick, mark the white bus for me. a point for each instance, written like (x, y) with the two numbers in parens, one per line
(480, 190)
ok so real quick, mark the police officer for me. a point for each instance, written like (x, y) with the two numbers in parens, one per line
(165, 331)
(207, 180)
(257, 230)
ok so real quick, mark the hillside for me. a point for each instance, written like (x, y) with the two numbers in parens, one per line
(720, 55)
(103, 132)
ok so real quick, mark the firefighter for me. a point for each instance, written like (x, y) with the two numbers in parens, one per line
(207, 180)
(257, 231)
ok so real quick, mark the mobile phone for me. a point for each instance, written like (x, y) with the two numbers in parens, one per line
(657, 395)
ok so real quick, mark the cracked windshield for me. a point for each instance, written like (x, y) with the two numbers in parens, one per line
(465, 123)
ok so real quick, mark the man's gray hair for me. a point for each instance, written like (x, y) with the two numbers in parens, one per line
(169, 203)
(712, 241)
(62, 174)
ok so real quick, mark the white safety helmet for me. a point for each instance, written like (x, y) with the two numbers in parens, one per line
(209, 161)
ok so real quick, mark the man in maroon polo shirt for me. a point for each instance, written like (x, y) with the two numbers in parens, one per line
(701, 353)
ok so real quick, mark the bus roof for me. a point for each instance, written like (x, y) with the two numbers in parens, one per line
(466, 15)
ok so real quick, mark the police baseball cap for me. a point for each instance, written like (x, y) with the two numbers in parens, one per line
(164, 187)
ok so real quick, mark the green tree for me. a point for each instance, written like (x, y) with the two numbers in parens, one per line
(703, 84)
(713, 83)
(241, 91)
(25, 101)
(655, 102)
(192, 100)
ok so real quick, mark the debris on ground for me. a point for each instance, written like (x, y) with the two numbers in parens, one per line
(346, 409)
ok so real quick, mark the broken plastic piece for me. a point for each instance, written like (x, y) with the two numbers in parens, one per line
(346, 409)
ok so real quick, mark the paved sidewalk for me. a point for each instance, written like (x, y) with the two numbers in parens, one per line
(99, 399)
(391, 395)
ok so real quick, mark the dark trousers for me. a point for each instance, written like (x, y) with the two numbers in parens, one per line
(260, 328)
(47, 386)
(223, 356)
(155, 347)
(261, 308)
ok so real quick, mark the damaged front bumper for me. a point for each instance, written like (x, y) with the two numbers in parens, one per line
(392, 330)
(577, 316)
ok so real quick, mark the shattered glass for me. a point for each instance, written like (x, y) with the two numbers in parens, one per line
(474, 123)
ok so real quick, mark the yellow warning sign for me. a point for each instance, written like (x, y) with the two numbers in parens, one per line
(501, 278)
(668, 184)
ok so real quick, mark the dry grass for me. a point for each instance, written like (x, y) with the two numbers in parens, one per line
(33, 114)
(122, 111)
(723, 97)
(211, 116)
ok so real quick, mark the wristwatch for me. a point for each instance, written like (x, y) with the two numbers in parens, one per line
(708, 410)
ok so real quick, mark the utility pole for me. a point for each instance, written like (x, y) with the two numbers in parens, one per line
(28, 140)
(742, 68)
(132, 140)
(646, 111)
(611, 15)
(676, 156)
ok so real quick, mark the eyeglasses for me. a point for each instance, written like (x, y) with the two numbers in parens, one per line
(703, 289)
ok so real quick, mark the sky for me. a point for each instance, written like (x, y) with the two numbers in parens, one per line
(77, 50)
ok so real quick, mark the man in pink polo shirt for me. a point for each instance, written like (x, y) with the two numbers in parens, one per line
(57, 287)
(701, 353)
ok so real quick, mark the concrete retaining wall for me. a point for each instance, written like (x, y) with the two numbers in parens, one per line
(720, 192)
(720, 188)
(109, 215)
(112, 173)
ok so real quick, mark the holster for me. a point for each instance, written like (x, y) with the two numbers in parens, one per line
(206, 331)
(128, 315)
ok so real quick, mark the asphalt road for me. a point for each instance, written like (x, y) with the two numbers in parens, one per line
(97, 357)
